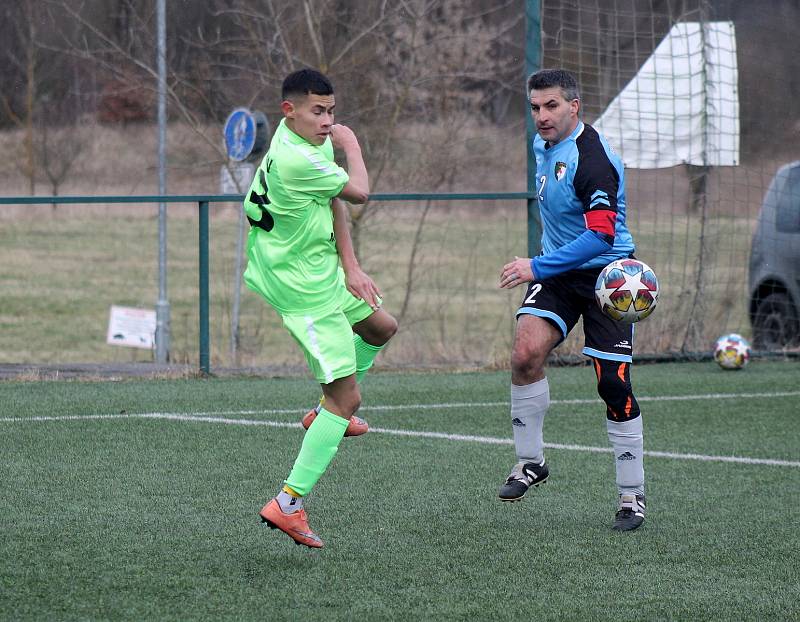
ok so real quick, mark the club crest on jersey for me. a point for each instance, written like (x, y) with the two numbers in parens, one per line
(560, 170)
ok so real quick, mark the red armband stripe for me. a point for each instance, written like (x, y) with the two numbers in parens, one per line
(602, 221)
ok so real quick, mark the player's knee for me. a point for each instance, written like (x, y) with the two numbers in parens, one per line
(379, 329)
(343, 397)
(611, 389)
(389, 328)
(614, 388)
(525, 359)
(621, 405)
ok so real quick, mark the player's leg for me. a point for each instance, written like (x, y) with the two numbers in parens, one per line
(328, 347)
(542, 322)
(372, 329)
(370, 335)
(356, 426)
(610, 346)
(321, 442)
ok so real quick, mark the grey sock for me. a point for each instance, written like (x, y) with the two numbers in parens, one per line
(529, 405)
(626, 439)
(288, 503)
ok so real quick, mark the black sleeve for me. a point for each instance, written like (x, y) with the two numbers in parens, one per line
(596, 181)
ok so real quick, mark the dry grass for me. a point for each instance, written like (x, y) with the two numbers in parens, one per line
(63, 267)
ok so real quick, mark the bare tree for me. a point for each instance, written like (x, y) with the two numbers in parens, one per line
(393, 63)
(398, 66)
(58, 145)
(42, 97)
(23, 57)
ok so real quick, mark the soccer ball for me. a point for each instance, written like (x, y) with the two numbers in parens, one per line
(732, 351)
(627, 290)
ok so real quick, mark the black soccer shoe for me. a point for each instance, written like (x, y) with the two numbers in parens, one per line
(630, 514)
(522, 477)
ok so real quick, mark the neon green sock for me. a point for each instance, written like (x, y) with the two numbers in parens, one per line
(365, 355)
(318, 449)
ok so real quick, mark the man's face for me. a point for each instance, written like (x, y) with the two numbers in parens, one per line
(310, 116)
(555, 117)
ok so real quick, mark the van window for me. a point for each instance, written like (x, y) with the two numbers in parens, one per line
(787, 216)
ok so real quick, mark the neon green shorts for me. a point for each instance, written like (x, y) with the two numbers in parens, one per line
(327, 340)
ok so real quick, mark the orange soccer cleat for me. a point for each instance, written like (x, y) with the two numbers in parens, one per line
(294, 525)
(356, 426)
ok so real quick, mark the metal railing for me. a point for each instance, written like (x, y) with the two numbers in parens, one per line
(203, 202)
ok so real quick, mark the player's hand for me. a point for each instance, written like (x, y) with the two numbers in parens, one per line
(516, 272)
(343, 137)
(362, 286)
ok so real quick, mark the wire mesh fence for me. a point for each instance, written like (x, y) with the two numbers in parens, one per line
(690, 93)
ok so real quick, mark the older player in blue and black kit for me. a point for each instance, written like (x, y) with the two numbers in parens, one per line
(581, 188)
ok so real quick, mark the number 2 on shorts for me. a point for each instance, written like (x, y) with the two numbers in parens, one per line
(531, 299)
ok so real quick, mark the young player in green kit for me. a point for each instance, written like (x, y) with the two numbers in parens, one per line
(301, 260)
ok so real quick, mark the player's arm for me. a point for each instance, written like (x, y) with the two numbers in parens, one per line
(596, 184)
(356, 190)
(358, 282)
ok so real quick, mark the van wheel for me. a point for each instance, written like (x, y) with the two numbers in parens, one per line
(775, 324)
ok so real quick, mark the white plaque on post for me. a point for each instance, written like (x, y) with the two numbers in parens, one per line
(135, 328)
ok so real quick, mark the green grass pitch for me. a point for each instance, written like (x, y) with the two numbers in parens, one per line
(138, 500)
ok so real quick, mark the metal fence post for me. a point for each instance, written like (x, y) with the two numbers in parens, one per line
(205, 365)
(203, 230)
(533, 61)
(162, 305)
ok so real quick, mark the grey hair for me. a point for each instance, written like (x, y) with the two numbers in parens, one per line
(549, 78)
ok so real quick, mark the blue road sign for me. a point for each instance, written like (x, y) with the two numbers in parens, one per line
(240, 134)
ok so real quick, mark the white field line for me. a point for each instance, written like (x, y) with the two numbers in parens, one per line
(438, 406)
(662, 398)
(221, 419)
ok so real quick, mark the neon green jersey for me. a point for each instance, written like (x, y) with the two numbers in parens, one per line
(292, 259)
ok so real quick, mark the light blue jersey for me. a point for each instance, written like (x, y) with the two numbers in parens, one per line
(581, 188)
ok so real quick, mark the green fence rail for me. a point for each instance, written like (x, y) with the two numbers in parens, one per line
(203, 202)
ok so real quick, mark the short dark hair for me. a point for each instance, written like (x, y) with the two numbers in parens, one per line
(548, 78)
(306, 82)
